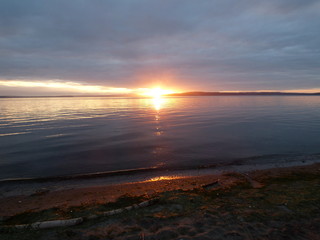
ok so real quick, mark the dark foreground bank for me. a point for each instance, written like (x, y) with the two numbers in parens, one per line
(268, 204)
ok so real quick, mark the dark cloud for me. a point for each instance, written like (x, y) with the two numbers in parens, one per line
(202, 44)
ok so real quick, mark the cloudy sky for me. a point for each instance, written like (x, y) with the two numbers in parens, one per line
(120, 45)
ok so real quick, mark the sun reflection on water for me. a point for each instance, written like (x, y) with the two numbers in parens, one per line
(157, 103)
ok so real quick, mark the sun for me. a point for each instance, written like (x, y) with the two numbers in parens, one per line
(156, 92)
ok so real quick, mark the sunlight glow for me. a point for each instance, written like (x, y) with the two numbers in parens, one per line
(161, 178)
(155, 92)
(60, 85)
(157, 103)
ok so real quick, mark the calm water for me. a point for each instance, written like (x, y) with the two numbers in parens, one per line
(61, 136)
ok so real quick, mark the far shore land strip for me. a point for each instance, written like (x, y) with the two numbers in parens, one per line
(257, 204)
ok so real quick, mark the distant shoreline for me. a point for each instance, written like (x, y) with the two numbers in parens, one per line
(243, 94)
(184, 94)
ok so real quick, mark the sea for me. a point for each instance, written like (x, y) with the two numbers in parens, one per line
(74, 136)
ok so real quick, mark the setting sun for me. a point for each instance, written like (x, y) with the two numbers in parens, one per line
(156, 92)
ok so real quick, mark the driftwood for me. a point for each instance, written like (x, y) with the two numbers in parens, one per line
(51, 224)
(76, 221)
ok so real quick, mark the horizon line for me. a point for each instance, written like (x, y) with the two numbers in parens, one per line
(187, 93)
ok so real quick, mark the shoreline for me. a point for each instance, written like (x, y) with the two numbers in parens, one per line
(22, 197)
(264, 162)
(28, 187)
(261, 204)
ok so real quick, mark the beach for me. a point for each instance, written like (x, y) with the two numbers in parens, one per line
(277, 203)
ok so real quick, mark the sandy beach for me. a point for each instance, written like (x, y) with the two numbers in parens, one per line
(281, 203)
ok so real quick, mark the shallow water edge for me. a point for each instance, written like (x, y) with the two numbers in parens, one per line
(13, 187)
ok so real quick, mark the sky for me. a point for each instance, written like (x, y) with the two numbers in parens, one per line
(122, 46)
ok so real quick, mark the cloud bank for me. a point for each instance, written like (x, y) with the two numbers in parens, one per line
(194, 45)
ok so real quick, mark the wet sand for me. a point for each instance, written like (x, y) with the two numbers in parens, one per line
(281, 203)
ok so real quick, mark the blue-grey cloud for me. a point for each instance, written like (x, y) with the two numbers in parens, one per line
(205, 44)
